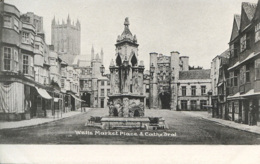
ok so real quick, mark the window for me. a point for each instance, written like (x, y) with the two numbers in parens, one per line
(102, 83)
(102, 92)
(193, 104)
(183, 104)
(89, 84)
(7, 21)
(108, 91)
(202, 104)
(25, 37)
(236, 72)
(147, 88)
(257, 69)
(16, 25)
(231, 78)
(108, 82)
(7, 58)
(25, 64)
(37, 46)
(193, 90)
(39, 101)
(234, 49)
(203, 90)
(62, 83)
(16, 63)
(257, 32)
(243, 43)
(248, 73)
(183, 90)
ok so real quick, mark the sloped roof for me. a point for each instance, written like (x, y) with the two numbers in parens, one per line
(249, 9)
(257, 12)
(194, 74)
(225, 54)
(237, 19)
(84, 63)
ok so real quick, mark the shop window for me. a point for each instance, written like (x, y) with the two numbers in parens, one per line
(183, 90)
(7, 58)
(39, 101)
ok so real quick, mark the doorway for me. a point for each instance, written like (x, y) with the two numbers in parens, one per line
(164, 100)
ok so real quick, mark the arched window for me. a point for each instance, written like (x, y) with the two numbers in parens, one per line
(134, 60)
(118, 60)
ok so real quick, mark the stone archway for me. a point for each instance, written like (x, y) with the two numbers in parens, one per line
(164, 100)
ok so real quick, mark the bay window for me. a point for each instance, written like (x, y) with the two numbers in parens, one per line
(25, 37)
(16, 25)
(257, 69)
(7, 21)
(16, 62)
(248, 73)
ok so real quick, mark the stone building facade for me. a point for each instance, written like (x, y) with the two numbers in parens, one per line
(243, 84)
(94, 87)
(30, 69)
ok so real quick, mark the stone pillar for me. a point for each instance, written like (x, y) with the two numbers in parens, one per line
(174, 79)
(153, 82)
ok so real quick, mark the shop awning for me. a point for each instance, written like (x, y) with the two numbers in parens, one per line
(235, 65)
(77, 98)
(235, 96)
(250, 56)
(251, 93)
(43, 93)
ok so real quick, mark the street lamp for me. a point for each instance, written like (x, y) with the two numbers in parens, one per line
(102, 69)
(152, 68)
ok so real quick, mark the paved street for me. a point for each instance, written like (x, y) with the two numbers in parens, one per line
(188, 130)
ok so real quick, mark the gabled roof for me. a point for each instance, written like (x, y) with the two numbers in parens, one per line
(257, 11)
(225, 54)
(194, 74)
(247, 14)
(236, 27)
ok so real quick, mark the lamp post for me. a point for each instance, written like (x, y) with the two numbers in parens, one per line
(152, 68)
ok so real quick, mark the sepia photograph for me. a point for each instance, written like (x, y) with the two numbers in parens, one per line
(126, 73)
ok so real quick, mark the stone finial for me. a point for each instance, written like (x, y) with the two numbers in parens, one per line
(126, 22)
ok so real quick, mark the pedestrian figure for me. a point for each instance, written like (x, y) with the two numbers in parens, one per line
(251, 115)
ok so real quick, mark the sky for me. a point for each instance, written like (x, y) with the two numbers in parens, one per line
(200, 29)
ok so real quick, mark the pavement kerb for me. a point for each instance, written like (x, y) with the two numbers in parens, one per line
(43, 123)
(247, 130)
